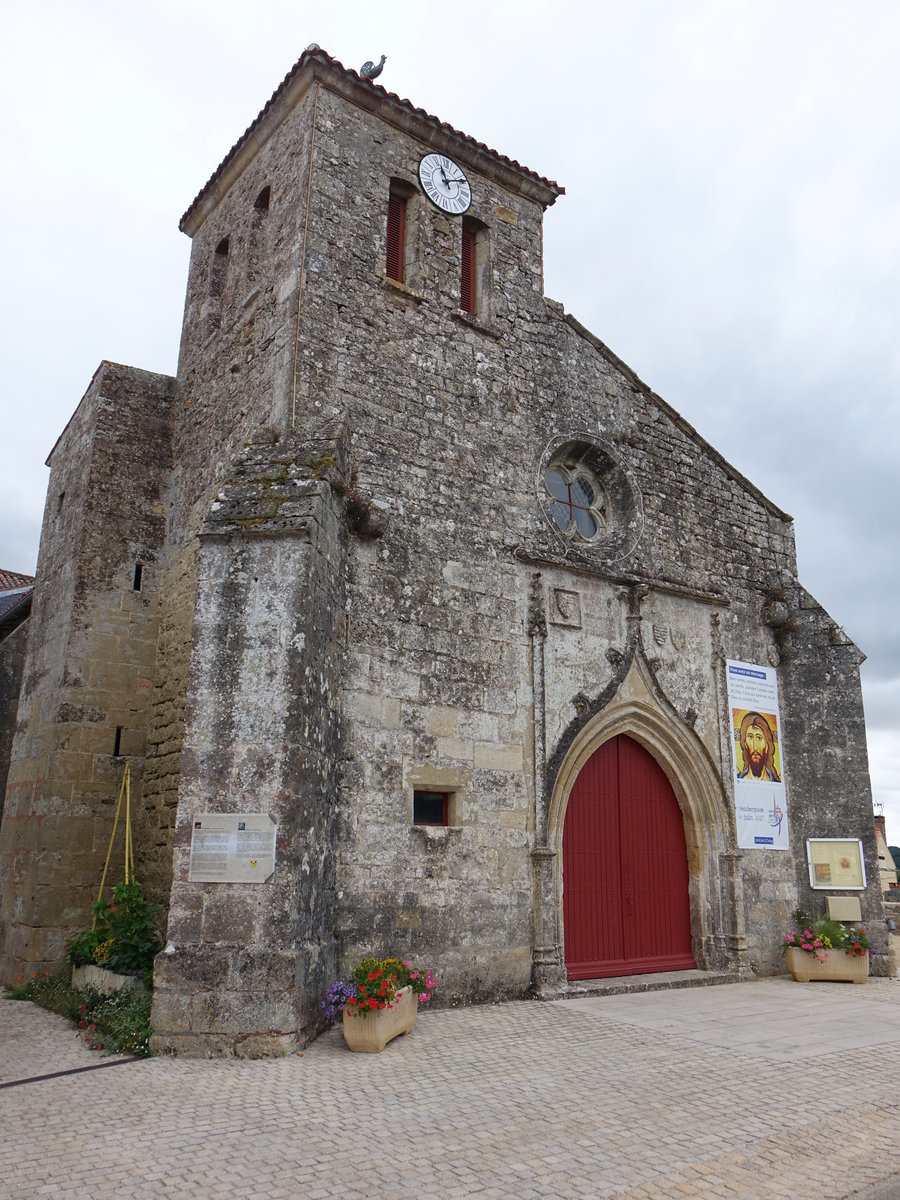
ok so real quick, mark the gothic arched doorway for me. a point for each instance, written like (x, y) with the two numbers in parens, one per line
(626, 903)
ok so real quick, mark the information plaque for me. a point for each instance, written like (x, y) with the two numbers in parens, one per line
(232, 848)
(836, 864)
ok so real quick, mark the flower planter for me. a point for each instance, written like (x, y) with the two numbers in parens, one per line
(100, 979)
(370, 1034)
(838, 967)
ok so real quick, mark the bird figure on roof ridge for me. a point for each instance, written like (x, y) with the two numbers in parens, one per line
(370, 70)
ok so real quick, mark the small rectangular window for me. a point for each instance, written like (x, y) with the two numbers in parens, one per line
(138, 576)
(467, 281)
(430, 808)
(396, 236)
(117, 745)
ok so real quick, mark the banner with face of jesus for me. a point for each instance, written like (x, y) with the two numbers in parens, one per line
(755, 737)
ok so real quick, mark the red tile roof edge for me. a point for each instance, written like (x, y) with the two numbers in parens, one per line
(10, 581)
(393, 98)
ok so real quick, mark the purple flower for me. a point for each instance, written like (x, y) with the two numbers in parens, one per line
(341, 992)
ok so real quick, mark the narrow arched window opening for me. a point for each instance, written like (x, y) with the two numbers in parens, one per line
(218, 275)
(219, 270)
(259, 218)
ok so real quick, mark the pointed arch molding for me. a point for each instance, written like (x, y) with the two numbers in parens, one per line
(636, 711)
(640, 711)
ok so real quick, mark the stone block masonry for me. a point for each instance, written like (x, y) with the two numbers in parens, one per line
(394, 547)
(262, 735)
(92, 654)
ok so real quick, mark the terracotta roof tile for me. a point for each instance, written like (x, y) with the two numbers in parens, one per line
(10, 580)
(322, 55)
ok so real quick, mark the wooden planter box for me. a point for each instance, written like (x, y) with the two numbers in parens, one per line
(100, 979)
(370, 1034)
(838, 967)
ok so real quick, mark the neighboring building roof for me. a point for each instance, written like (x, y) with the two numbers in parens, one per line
(10, 580)
(317, 55)
(15, 604)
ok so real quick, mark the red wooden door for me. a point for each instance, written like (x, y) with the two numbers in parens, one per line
(625, 876)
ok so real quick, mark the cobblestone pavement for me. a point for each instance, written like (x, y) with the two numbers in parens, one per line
(762, 1089)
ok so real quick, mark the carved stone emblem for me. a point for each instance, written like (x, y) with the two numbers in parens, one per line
(660, 633)
(565, 608)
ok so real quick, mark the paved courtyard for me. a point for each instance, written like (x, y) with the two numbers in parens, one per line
(761, 1089)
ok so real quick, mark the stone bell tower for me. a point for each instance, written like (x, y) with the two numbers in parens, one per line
(342, 268)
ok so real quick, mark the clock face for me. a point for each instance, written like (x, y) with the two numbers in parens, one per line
(445, 184)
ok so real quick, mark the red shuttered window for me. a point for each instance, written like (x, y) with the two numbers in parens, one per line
(467, 281)
(396, 236)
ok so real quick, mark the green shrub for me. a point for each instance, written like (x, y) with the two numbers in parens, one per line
(123, 936)
(80, 949)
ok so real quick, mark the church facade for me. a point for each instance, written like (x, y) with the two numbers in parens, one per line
(411, 564)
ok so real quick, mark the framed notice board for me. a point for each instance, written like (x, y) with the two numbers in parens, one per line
(836, 864)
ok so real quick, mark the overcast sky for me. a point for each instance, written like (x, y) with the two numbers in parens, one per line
(731, 226)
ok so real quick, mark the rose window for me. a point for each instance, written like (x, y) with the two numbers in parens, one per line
(576, 502)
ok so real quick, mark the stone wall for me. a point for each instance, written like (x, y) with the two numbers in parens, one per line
(12, 666)
(235, 372)
(90, 665)
(246, 964)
